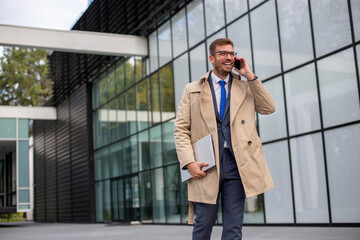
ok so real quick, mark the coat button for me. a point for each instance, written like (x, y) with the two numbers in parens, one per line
(243, 121)
(249, 142)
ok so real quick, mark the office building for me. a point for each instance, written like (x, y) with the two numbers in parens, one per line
(110, 155)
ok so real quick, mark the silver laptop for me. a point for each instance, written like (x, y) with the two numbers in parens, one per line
(203, 152)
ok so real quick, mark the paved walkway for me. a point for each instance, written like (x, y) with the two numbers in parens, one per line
(73, 231)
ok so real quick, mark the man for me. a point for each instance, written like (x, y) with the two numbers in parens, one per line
(223, 105)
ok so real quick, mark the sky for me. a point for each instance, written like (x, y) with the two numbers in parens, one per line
(51, 14)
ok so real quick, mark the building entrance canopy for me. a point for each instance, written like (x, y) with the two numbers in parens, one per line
(74, 41)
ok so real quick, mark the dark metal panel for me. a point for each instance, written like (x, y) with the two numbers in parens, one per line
(79, 157)
(64, 163)
(39, 176)
(50, 171)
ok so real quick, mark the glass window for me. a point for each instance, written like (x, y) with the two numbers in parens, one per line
(239, 33)
(23, 128)
(214, 13)
(181, 76)
(358, 58)
(116, 211)
(147, 67)
(8, 128)
(97, 160)
(302, 100)
(253, 3)
(198, 62)
(156, 146)
(184, 203)
(168, 143)
(179, 33)
(167, 92)
(195, 17)
(103, 203)
(338, 89)
(155, 98)
(103, 122)
(139, 68)
(99, 201)
(342, 154)
(146, 197)
(142, 101)
(153, 52)
(103, 89)
(254, 209)
(234, 9)
(131, 110)
(23, 168)
(134, 199)
(309, 179)
(111, 83)
(164, 35)
(158, 196)
(96, 124)
(355, 9)
(96, 94)
(105, 163)
(113, 120)
(131, 155)
(295, 32)
(265, 40)
(116, 159)
(24, 196)
(144, 151)
(121, 116)
(107, 201)
(102, 169)
(120, 76)
(130, 71)
(23, 206)
(172, 189)
(220, 34)
(331, 25)
(278, 201)
(273, 126)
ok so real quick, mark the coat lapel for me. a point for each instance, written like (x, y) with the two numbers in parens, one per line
(238, 93)
(207, 105)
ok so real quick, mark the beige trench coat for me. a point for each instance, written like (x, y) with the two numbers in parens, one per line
(196, 119)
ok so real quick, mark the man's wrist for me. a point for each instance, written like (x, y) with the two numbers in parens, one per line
(250, 76)
(252, 79)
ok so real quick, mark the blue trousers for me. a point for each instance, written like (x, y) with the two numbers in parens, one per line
(232, 203)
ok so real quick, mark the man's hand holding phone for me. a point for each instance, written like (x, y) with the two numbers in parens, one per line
(244, 68)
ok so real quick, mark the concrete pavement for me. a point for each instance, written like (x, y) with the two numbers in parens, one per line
(74, 231)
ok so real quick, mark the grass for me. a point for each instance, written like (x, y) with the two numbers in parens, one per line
(12, 217)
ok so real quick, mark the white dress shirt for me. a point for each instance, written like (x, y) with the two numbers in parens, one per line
(217, 90)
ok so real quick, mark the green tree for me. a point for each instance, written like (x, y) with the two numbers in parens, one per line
(24, 77)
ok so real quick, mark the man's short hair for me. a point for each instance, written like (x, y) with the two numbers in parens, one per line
(219, 42)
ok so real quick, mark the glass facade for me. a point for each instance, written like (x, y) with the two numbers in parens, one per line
(307, 55)
(15, 164)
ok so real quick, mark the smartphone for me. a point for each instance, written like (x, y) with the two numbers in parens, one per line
(237, 64)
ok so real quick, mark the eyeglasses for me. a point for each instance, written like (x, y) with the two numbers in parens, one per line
(225, 53)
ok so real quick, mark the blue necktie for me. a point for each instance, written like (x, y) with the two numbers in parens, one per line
(223, 98)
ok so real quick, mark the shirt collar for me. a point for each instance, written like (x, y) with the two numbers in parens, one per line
(216, 79)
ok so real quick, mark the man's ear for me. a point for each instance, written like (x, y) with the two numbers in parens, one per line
(211, 58)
